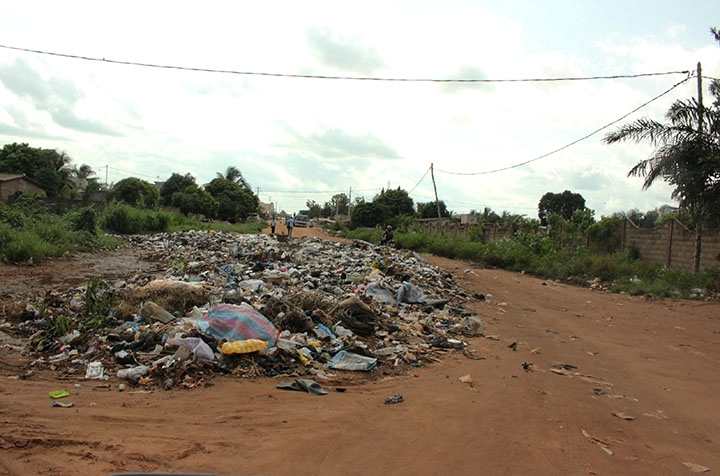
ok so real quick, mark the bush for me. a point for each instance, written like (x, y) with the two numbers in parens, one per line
(83, 219)
(126, 220)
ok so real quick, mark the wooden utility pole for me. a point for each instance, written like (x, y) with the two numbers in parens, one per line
(698, 224)
(700, 98)
(437, 203)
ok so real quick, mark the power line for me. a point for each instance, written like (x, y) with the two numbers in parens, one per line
(423, 178)
(587, 136)
(352, 78)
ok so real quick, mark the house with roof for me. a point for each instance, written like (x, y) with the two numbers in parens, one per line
(11, 184)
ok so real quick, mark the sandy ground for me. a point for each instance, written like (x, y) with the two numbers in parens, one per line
(633, 390)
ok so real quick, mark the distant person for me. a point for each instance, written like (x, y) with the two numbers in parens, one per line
(387, 237)
(272, 226)
(290, 225)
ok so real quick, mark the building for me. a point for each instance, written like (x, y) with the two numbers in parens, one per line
(12, 184)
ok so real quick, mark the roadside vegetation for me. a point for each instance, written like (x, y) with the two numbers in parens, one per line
(559, 257)
(31, 233)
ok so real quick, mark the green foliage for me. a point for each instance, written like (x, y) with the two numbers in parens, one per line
(530, 253)
(368, 214)
(371, 235)
(430, 209)
(196, 200)
(235, 202)
(83, 219)
(12, 216)
(125, 220)
(182, 223)
(47, 167)
(97, 306)
(564, 204)
(338, 205)
(314, 210)
(135, 192)
(605, 234)
(29, 232)
(175, 184)
(397, 202)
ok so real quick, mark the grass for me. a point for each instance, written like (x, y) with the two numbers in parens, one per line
(539, 256)
(30, 234)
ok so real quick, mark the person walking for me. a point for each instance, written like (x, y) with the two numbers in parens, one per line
(272, 226)
(290, 225)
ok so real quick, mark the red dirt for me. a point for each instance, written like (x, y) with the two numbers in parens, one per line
(645, 389)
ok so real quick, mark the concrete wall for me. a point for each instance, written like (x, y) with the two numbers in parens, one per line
(671, 244)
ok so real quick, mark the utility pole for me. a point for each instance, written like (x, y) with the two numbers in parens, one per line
(437, 202)
(349, 201)
(700, 98)
(698, 225)
(106, 175)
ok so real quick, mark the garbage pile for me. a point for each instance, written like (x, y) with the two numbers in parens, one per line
(249, 305)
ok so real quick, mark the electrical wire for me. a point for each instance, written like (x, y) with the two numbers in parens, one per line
(351, 78)
(423, 178)
(587, 136)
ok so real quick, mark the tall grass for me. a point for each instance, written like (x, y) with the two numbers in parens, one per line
(540, 256)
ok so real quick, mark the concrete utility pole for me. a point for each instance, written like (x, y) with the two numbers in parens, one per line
(437, 202)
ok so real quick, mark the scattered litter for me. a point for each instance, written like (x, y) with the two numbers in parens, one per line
(95, 370)
(601, 443)
(59, 393)
(345, 360)
(55, 403)
(563, 366)
(696, 468)
(466, 379)
(244, 346)
(527, 367)
(623, 416)
(303, 385)
(394, 399)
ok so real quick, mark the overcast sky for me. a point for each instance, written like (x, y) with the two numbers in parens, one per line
(297, 139)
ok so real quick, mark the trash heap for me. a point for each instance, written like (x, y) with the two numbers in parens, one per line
(249, 305)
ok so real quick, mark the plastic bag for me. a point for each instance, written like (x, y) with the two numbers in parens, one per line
(200, 350)
(380, 292)
(345, 360)
(232, 323)
(243, 346)
(409, 294)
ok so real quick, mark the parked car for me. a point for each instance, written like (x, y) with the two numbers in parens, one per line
(301, 220)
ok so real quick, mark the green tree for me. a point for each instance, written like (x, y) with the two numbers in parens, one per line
(339, 204)
(233, 174)
(564, 204)
(48, 167)
(397, 202)
(368, 214)
(195, 200)
(429, 210)
(686, 156)
(314, 210)
(135, 192)
(235, 202)
(176, 183)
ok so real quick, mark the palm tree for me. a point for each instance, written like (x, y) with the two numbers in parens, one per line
(687, 156)
(233, 174)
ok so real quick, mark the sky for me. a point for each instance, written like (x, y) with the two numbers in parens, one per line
(297, 135)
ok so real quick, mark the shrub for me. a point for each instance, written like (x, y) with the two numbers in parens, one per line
(126, 220)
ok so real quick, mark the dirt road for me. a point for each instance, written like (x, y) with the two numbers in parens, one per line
(570, 382)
